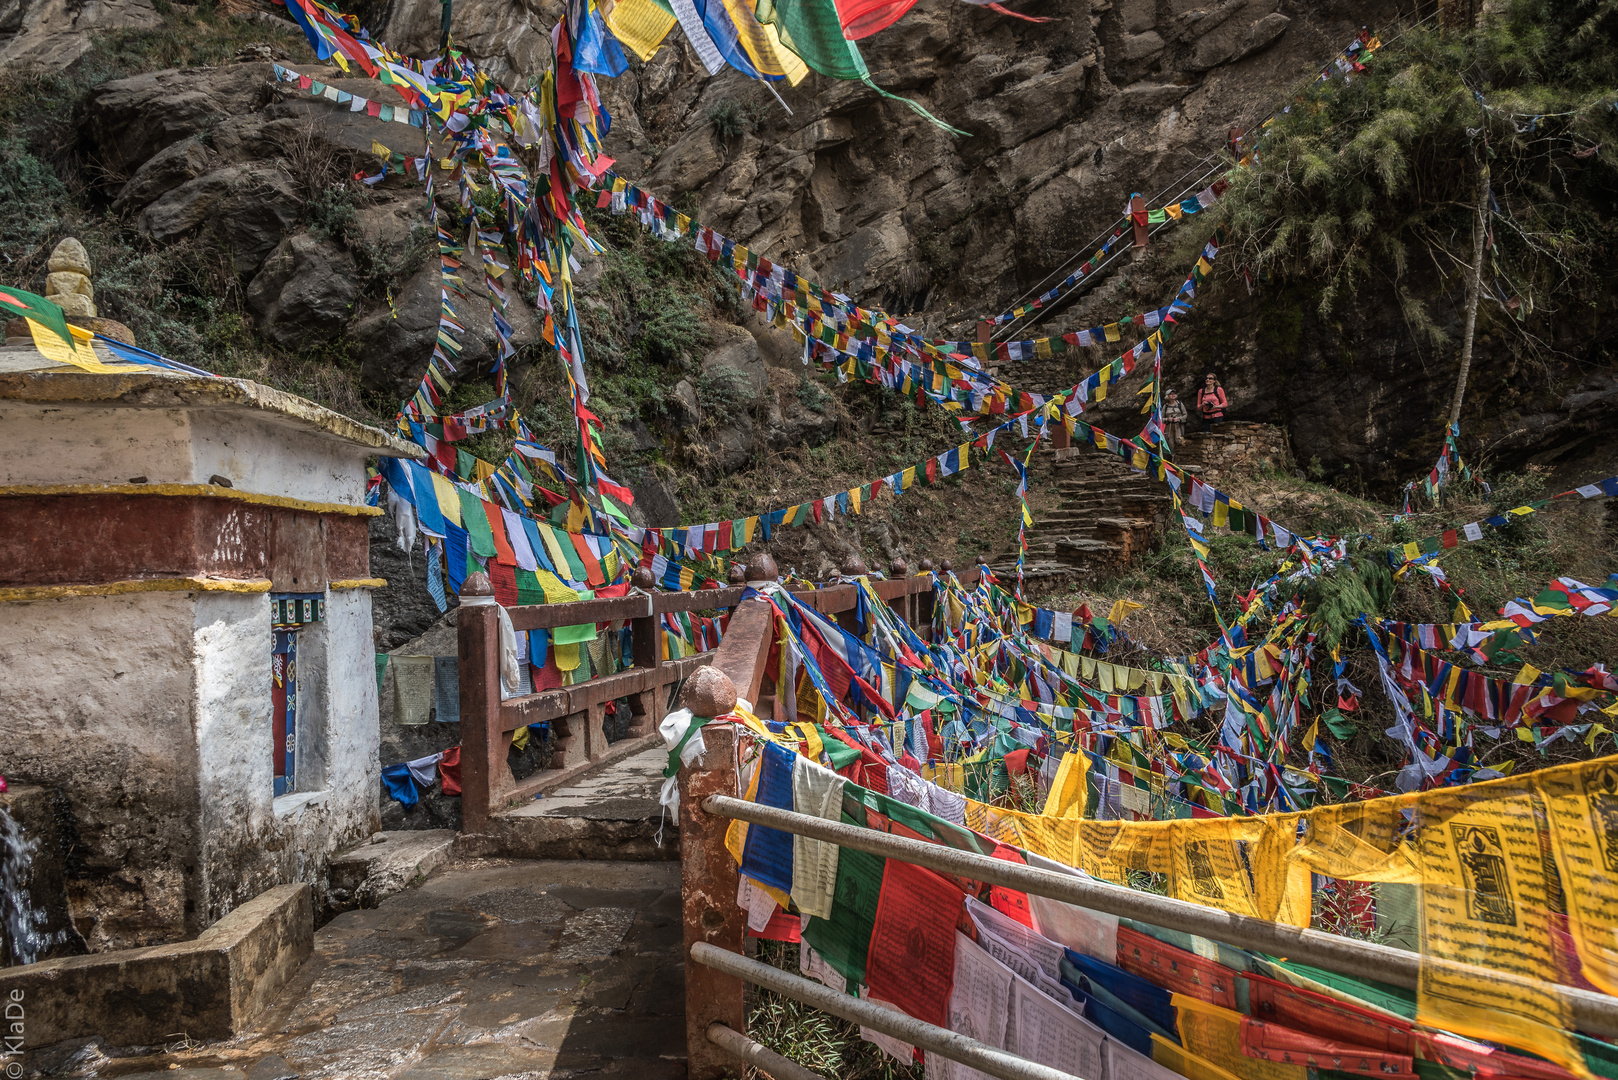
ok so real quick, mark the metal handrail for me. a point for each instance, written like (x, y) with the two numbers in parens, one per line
(930, 1037)
(1594, 1013)
(757, 1054)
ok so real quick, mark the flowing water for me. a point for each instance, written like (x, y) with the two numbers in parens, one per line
(26, 936)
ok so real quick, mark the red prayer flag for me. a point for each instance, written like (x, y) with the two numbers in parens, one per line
(497, 527)
(504, 580)
(449, 770)
(781, 927)
(1295, 1007)
(1176, 969)
(1285, 1046)
(911, 961)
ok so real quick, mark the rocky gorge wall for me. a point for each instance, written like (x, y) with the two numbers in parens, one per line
(1066, 119)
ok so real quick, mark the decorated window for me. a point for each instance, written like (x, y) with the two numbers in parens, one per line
(289, 613)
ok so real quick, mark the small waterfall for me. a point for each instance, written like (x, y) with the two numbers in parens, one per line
(26, 937)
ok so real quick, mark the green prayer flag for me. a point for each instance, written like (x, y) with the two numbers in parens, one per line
(528, 589)
(845, 939)
(480, 538)
(1339, 725)
(17, 304)
(575, 565)
(814, 30)
(577, 634)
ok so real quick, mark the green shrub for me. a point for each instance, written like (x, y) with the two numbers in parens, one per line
(724, 390)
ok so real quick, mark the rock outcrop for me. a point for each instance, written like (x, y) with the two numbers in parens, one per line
(1066, 119)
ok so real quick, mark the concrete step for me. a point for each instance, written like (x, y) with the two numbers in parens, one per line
(388, 863)
(611, 814)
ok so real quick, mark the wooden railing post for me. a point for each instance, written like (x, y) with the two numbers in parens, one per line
(745, 650)
(923, 623)
(643, 643)
(477, 635)
(708, 882)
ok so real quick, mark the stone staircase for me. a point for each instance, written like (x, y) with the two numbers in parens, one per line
(1108, 516)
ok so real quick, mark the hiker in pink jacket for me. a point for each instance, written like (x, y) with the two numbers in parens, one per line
(1211, 402)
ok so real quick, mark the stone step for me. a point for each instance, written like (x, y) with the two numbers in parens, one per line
(1075, 547)
(613, 813)
(388, 863)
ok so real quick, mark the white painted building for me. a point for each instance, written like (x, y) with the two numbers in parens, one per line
(151, 526)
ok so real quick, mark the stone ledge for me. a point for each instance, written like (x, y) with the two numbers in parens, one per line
(389, 863)
(209, 988)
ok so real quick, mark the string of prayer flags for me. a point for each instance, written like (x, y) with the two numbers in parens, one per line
(1473, 531)
(388, 114)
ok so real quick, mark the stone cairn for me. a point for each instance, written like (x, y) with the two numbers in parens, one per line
(67, 285)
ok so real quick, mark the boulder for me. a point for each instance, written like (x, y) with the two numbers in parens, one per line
(164, 171)
(1234, 32)
(730, 447)
(251, 206)
(127, 121)
(1038, 102)
(396, 343)
(692, 161)
(1136, 48)
(685, 407)
(737, 350)
(303, 292)
(49, 35)
(1136, 16)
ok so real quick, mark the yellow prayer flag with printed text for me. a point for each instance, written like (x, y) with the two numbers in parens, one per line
(641, 25)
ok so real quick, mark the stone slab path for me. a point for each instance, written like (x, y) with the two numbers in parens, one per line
(627, 790)
(491, 969)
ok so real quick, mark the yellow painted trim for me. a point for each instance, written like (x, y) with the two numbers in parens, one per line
(381, 583)
(134, 585)
(212, 491)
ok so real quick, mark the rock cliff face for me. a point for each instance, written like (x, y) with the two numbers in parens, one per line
(223, 150)
(1066, 118)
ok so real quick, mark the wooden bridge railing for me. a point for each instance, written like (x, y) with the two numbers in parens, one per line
(577, 714)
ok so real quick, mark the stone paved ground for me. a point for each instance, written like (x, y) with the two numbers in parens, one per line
(491, 969)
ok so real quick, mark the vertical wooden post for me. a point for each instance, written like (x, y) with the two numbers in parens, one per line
(477, 643)
(708, 882)
(595, 730)
(923, 623)
(646, 705)
(744, 652)
(1137, 214)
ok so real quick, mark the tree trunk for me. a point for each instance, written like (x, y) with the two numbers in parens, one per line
(1474, 289)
